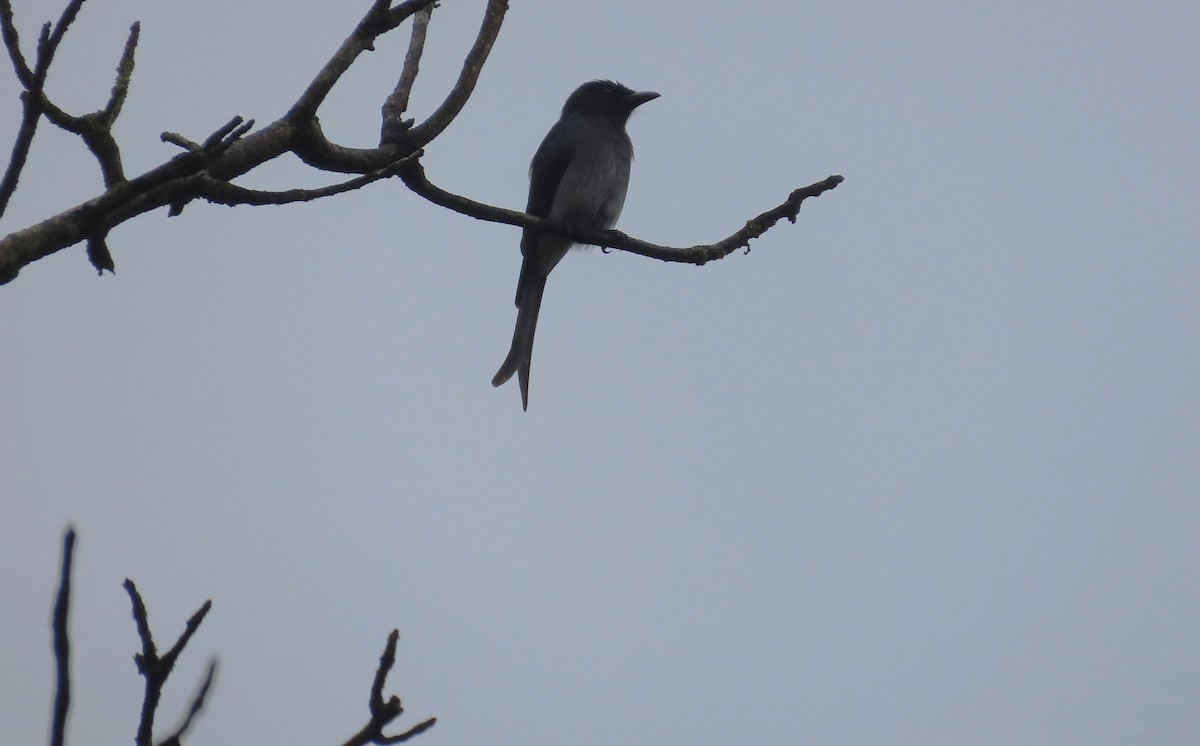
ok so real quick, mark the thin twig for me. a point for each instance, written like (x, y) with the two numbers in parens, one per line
(154, 669)
(179, 140)
(401, 12)
(60, 30)
(396, 104)
(416, 730)
(62, 645)
(120, 87)
(386, 661)
(141, 619)
(227, 133)
(12, 42)
(224, 193)
(383, 712)
(20, 150)
(194, 709)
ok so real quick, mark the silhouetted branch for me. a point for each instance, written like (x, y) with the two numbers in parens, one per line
(394, 123)
(175, 182)
(193, 709)
(154, 669)
(377, 21)
(12, 42)
(440, 119)
(384, 712)
(96, 128)
(225, 193)
(55, 38)
(62, 645)
(415, 179)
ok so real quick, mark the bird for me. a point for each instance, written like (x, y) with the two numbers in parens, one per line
(578, 178)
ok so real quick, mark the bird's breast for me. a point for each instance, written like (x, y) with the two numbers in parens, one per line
(592, 191)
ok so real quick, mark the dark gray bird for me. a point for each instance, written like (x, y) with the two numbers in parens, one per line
(578, 177)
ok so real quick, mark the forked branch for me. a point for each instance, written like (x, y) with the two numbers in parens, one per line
(383, 712)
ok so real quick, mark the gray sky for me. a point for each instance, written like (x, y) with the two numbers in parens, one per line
(920, 469)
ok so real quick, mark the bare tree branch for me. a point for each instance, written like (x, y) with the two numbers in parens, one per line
(60, 30)
(377, 21)
(416, 730)
(20, 150)
(12, 42)
(415, 179)
(226, 193)
(155, 669)
(172, 183)
(384, 712)
(120, 87)
(34, 82)
(99, 255)
(62, 645)
(396, 104)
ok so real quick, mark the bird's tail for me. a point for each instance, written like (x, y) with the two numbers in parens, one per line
(529, 302)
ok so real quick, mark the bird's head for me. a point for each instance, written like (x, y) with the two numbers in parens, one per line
(606, 97)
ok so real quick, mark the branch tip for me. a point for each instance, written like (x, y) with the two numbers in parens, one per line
(440, 119)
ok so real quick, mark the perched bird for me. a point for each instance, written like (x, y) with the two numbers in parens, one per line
(578, 177)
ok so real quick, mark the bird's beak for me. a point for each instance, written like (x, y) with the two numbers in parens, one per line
(638, 98)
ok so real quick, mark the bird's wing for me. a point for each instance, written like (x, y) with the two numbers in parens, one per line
(545, 174)
(546, 171)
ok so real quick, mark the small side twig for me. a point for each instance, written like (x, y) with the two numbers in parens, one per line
(201, 153)
(194, 709)
(224, 193)
(12, 42)
(396, 103)
(383, 712)
(120, 87)
(52, 41)
(226, 135)
(62, 645)
(96, 128)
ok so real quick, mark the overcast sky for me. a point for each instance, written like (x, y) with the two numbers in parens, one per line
(922, 468)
